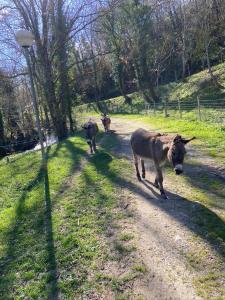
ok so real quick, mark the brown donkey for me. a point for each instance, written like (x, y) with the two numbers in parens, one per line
(106, 121)
(91, 129)
(158, 147)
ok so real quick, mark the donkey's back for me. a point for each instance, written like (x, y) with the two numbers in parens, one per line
(141, 142)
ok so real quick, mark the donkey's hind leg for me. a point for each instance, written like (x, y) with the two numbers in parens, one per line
(143, 168)
(156, 183)
(94, 144)
(136, 166)
(89, 141)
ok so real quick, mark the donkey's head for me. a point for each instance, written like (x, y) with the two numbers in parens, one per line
(89, 128)
(177, 152)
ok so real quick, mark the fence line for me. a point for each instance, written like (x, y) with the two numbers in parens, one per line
(200, 109)
(207, 110)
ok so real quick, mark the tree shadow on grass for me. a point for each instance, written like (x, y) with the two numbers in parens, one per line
(28, 266)
(29, 236)
(24, 239)
(51, 259)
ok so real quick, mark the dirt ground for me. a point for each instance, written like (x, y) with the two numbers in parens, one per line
(165, 234)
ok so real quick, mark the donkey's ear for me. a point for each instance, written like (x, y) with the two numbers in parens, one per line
(177, 138)
(184, 141)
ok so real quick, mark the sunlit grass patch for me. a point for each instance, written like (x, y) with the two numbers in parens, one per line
(211, 286)
(126, 236)
(38, 261)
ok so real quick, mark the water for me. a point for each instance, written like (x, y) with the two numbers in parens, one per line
(50, 140)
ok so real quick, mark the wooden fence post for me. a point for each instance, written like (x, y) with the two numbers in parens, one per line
(165, 109)
(179, 107)
(199, 109)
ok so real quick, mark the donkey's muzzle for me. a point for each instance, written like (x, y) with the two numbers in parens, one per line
(178, 169)
(178, 172)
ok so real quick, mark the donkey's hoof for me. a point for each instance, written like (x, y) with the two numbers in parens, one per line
(156, 185)
(163, 195)
(143, 176)
(139, 178)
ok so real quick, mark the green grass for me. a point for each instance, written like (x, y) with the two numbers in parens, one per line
(211, 286)
(209, 137)
(126, 236)
(53, 244)
(197, 85)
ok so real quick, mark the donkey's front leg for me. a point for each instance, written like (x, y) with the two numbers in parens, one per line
(136, 166)
(159, 180)
(156, 184)
(143, 168)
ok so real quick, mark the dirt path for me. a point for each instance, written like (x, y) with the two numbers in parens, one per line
(164, 230)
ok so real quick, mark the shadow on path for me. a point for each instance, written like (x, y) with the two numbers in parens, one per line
(195, 216)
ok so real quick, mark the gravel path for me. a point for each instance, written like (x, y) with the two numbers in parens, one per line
(162, 228)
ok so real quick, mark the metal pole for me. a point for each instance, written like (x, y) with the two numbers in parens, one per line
(199, 109)
(179, 107)
(35, 106)
(165, 109)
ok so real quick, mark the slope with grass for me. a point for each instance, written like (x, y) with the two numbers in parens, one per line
(196, 85)
(65, 243)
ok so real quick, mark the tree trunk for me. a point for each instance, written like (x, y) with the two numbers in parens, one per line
(214, 81)
(183, 64)
(64, 91)
(121, 81)
(208, 62)
(47, 121)
(58, 119)
(2, 135)
(153, 94)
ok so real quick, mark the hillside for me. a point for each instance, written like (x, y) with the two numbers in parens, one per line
(198, 84)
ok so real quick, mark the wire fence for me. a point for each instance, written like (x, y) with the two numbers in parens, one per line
(206, 110)
(199, 109)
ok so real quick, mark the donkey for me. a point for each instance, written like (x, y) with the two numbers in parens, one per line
(158, 147)
(106, 121)
(91, 129)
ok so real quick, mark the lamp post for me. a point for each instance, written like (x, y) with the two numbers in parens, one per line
(25, 39)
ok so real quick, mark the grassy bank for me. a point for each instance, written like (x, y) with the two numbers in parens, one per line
(57, 244)
(187, 91)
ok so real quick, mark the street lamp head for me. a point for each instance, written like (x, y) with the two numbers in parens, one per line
(24, 38)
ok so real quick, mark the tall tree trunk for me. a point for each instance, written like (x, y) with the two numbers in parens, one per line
(145, 85)
(2, 135)
(213, 78)
(121, 81)
(64, 91)
(47, 121)
(153, 94)
(58, 120)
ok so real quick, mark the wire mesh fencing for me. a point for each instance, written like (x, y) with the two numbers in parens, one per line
(199, 109)
(196, 109)
(206, 110)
